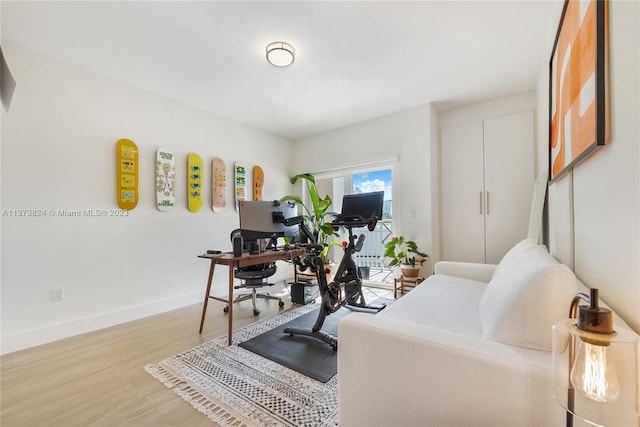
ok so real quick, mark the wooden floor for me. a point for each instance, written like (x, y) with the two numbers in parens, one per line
(98, 378)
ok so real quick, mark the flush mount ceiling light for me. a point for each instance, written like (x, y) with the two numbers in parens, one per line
(280, 54)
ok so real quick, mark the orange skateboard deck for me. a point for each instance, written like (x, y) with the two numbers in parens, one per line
(258, 182)
(218, 181)
(165, 180)
(127, 174)
(240, 173)
(194, 182)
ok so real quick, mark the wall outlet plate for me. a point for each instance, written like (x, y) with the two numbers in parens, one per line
(57, 294)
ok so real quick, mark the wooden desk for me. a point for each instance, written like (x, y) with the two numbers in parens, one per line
(234, 262)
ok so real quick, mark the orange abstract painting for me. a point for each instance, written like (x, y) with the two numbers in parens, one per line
(576, 84)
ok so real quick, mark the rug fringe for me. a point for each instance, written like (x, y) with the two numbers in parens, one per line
(162, 375)
(195, 398)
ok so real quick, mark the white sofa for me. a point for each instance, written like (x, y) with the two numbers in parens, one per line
(470, 346)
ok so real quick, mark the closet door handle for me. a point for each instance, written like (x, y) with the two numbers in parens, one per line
(481, 203)
(487, 203)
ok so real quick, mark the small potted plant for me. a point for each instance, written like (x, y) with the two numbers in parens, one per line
(406, 255)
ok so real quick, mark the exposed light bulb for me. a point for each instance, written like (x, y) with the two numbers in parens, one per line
(592, 376)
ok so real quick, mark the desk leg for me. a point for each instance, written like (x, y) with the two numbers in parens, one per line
(230, 314)
(206, 296)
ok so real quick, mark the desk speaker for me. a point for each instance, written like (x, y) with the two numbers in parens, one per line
(238, 243)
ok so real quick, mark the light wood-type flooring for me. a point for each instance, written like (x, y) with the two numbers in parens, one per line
(98, 378)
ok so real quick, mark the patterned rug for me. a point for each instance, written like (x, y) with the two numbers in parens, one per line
(235, 387)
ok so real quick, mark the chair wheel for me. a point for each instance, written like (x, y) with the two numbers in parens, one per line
(226, 309)
(280, 304)
(256, 312)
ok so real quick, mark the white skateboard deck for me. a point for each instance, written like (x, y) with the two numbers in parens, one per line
(165, 179)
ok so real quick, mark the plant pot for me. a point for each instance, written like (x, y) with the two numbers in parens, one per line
(409, 271)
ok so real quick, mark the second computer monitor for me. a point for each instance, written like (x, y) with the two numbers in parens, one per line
(260, 219)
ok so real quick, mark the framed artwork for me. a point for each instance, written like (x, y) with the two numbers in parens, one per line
(577, 85)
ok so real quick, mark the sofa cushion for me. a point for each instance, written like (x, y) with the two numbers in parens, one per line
(525, 297)
(444, 302)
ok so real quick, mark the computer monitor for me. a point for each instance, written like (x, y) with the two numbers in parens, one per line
(263, 219)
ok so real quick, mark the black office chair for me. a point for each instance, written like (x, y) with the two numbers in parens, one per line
(254, 277)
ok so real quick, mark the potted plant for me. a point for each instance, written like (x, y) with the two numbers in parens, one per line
(404, 254)
(316, 213)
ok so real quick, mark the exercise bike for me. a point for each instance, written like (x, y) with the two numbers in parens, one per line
(346, 288)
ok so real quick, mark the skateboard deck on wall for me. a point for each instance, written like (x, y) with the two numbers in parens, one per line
(240, 173)
(165, 179)
(218, 181)
(194, 182)
(127, 174)
(258, 182)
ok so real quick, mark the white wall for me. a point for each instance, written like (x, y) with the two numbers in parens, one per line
(58, 152)
(499, 107)
(594, 219)
(404, 137)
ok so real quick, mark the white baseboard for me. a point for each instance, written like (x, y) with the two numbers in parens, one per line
(50, 333)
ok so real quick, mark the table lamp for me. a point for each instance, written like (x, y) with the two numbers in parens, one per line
(595, 366)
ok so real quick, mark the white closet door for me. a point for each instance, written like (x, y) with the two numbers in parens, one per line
(462, 193)
(509, 177)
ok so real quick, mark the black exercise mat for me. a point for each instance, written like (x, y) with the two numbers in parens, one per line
(309, 356)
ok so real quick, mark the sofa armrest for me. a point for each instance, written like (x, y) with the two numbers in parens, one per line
(392, 372)
(467, 270)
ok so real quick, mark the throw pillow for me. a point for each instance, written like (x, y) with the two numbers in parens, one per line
(514, 253)
(517, 248)
(525, 298)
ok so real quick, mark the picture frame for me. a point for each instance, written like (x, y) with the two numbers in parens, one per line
(578, 104)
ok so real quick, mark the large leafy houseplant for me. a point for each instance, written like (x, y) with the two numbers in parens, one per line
(316, 213)
(400, 251)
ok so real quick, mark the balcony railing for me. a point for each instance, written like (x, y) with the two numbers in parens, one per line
(371, 256)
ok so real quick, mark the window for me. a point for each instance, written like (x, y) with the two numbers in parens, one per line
(370, 258)
(379, 180)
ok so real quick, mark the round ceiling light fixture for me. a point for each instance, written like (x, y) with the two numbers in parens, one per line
(280, 54)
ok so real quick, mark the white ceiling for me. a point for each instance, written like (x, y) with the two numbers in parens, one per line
(354, 60)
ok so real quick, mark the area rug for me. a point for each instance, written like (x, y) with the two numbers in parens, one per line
(236, 387)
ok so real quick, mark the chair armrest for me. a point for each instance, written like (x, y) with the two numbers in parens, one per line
(392, 372)
(467, 270)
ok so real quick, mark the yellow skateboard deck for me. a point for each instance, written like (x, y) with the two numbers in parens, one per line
(165, 179)
(218, 181)
(258, 182)
(194, 182)
(127, 174)
(240, 183)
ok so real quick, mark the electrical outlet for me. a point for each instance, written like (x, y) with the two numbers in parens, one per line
(57, 294)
